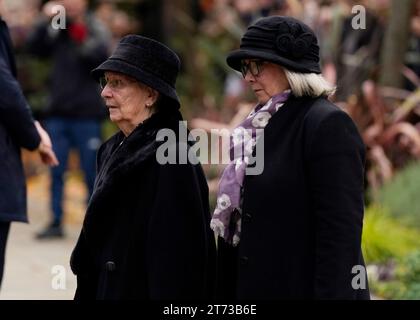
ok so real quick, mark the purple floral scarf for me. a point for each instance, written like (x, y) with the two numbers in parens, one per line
(226, 221)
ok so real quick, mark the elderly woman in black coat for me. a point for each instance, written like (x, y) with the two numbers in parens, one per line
(293, 231)
(146, 232)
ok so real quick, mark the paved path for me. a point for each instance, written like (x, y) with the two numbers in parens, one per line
(29, 270)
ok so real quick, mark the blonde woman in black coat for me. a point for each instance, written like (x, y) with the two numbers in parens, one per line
(146, 233)
(294, 230)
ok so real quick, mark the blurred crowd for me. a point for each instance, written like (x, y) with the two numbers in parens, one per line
(21, 16)
(349, 56)
(352, 59)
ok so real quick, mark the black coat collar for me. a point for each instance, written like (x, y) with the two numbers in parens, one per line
(120, 159)
(120, 155)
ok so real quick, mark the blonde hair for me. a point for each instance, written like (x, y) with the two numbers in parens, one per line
(308, 84)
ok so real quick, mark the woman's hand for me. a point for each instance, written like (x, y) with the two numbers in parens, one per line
(45, 147)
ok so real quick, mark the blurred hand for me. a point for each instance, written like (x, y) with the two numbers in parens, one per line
(45, 147)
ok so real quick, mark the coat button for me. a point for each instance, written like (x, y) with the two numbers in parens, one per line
(244, 260)
(110, 266)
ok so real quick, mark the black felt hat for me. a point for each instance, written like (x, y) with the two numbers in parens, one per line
(282, 40)
(147, 61)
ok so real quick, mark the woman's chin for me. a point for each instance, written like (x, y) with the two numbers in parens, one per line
(114, 114)
(262, 98)
(114, 118)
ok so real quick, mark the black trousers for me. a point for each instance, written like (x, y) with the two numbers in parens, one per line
(4, 232)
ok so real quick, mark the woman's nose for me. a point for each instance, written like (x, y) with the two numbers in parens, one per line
(249, 77)
(106, 92)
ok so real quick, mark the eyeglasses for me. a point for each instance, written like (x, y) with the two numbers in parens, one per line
(253, 66)
(114, 84)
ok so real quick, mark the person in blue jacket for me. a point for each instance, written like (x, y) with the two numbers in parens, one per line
(17, 130)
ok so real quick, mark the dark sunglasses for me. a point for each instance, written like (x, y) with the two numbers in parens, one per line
(253, 66)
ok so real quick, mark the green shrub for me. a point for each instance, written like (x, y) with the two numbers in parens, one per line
(410, 292)
(385, 238)
(408, 272)
(406, 284)
(389, 290)
(401, 195)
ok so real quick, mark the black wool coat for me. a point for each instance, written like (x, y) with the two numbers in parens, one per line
(146, 232)
(17, 130)
(302, 217)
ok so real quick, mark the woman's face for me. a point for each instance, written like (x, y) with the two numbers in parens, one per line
(265, 78)
(128, 101)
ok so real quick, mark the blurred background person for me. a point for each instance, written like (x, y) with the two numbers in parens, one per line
(118, 22)
(75, 109)
(17, 130)
(358, 53)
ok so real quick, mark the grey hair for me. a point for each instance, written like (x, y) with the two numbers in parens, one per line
(308, 84)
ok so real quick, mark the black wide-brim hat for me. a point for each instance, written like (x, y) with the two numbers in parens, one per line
(282, 40)
(147, 61)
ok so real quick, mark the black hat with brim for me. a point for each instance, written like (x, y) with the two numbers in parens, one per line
(146, 60)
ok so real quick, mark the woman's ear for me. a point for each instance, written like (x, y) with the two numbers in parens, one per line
(153, 96)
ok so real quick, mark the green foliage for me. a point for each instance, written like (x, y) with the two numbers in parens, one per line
(203, 49)
(33, 77)
(401, 195)
(387, 240)
(406, 285)
(409, 273)
(384, 238)
(411, 291)
(203, 73)
(386, 290)
(108, 129)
